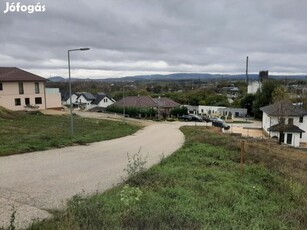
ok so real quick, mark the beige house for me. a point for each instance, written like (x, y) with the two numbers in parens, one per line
(21, 90)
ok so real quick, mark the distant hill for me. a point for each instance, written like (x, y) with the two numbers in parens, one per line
(56, 79)
(189, 76)
(183, 76)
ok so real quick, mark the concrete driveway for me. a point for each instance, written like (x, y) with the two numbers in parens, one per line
(252, 129)
(35, 182)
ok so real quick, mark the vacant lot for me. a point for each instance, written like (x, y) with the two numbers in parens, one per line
(201, 187)
(24, 132)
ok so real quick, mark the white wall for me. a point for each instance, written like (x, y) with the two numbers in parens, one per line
(268, 121)
(210, 110)
(235, 112)
(302, 126)
(53, 98)
(253, 86)
(73, 99)
(105, 102)
(82, 100)
(192, 109)
(295, 138)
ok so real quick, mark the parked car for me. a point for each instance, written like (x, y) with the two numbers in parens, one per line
(191, 117)
(206, 118)
(221, 124)
(213, 119)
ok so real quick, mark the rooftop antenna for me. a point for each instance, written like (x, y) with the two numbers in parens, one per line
(246, 70)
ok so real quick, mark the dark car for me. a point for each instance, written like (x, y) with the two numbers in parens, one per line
(221, 124)
(191, 117)
(206, 118)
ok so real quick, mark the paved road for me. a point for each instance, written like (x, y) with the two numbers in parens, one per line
(35, 182)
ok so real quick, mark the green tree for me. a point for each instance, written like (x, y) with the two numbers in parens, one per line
(216, 100)
(179, 111)
(280, 94)
(263, 96)
(247, 102)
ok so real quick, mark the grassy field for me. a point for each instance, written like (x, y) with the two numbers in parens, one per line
(201, 187)
(24, 132)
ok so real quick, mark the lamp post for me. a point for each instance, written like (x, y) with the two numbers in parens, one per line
(124, 104)
(70, 101)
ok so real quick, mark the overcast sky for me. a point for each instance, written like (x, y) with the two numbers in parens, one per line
(132, 37)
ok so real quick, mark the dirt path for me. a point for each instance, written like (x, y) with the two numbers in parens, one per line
(35, 182)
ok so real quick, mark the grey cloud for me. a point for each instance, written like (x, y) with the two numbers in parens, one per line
(207, 36)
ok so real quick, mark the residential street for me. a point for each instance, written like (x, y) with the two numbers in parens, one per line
(35, 182)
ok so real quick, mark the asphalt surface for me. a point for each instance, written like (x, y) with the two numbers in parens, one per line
(34, 183)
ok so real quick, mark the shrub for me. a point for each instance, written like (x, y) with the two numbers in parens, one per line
(133, 112)
(179, 111)
(130, 195)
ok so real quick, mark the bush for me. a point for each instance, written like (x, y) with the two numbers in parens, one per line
(179, 111)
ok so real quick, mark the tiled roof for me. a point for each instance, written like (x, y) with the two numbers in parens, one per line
(166, 102)
(13, 74)
(284, 109)
(285, 128)
(136, 102)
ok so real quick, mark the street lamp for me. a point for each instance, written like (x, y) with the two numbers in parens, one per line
(70, 101)
(124, 103)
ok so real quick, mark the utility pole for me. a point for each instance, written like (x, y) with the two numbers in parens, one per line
(124, 115)
(246, 70)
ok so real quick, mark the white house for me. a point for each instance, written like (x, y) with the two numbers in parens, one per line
(286, 122)
(217, 111)
(234, 112)
(85, 100)
(74, 98)
(102, 100)
(214, 111)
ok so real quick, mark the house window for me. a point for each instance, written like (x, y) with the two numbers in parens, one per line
(105, 100)
(27, 101)
(17, 101)
(36, 87)
(290, 121)
(38, 100)
(1, 86)
(20, 86)
(301, 135)
(301, 119)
